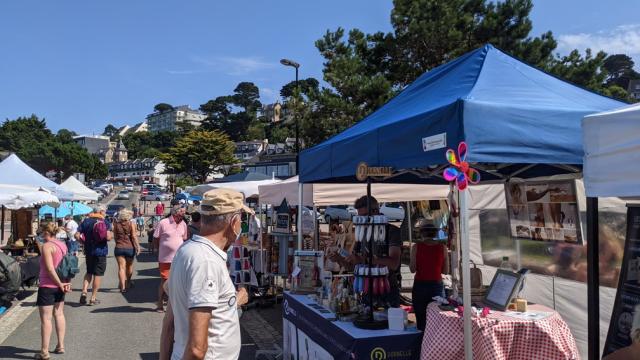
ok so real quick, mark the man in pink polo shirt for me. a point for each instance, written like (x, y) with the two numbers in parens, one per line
(168, 236)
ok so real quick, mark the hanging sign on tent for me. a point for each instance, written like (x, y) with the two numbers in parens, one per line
(459, 169)
(363, 171)
(623, 339)
(543, 210)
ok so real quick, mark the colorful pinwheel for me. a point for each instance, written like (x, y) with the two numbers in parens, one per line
(460, 170)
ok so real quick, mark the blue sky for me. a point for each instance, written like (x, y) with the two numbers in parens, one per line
(83, 64)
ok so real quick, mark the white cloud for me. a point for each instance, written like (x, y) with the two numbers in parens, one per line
(235, 66)
(624, 39)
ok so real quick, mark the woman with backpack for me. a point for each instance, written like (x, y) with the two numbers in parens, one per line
(51, 290)
(127, 248)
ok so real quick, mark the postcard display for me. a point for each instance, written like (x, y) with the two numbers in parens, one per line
(543, 211)
(247, 261)
(624, 330)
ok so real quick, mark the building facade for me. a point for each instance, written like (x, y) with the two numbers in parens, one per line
(277, 160)
(169, 120)
(634, 89)
(108, 151)
(248, 150)
(139, 171)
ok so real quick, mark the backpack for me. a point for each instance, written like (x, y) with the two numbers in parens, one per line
(99, 232)
(10, 278)
(68, 267)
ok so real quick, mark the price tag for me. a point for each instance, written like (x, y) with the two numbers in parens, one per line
(296, 271)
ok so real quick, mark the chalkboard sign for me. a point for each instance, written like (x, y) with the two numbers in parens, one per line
(623, 339)
(282, 223)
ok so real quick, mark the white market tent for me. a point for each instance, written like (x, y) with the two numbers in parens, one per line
(79, 192)
(340, 194)
(248, 188)
(15, 197)
(612, 152)
(14, 171)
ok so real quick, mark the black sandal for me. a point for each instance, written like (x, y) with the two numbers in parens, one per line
(83, 299)
(58, 350)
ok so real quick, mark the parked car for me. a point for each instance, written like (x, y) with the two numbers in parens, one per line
(156, 195)
(393, 211)
(123, 195)
(112, 210)
(129, 187)
(339, 212)
(100, 195)
(101, 190)
(108, 187)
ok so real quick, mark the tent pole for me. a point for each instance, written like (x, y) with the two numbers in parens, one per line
(299, 217)
(2, 226)
(593, 279)
(409, 220)
(466, 275)
(316, 236)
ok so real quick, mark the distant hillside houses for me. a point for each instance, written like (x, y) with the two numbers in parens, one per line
(260, 156)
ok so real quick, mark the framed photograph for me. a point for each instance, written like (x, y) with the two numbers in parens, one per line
(543, 210)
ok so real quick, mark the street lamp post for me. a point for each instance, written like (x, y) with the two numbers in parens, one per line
(287, 62)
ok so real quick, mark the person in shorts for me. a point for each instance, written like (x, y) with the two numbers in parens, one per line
(51, 290)
(127, 248)
(169, 235)
(96, 233)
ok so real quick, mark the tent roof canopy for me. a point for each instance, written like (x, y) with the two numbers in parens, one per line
(78, 190)
(511, 115)
(340, 194)
(612, 152)
(14, 171)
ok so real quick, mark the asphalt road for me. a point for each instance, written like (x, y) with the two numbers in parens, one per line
(123, 326)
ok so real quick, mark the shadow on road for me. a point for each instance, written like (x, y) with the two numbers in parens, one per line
(123, 309)
(149, 356)
(148, 272)
(12, 352)
(145, 291)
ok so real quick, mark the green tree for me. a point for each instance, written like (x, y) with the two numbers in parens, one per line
(620, 70)
(110, 131)
(162, 107)
(200, 153)
(218, 113)
(247, 96)
(66, 136)
(308, 86)
(235, 124)
(35, 144)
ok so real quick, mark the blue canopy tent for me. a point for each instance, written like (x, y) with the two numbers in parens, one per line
(516, 119)
(65, 208)
(508, 112)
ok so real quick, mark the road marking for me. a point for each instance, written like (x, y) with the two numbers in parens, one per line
(16, 315)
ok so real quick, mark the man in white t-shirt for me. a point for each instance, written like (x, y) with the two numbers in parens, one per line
(71, 227)
(202, 317)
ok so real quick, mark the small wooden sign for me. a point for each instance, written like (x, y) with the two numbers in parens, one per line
(363, 171)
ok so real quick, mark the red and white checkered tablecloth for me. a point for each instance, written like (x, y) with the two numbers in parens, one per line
(498, 337)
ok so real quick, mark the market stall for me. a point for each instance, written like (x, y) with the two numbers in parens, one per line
(79, 192)
(248, 188)
(22, 191)
(611, 146)
(518, 123)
